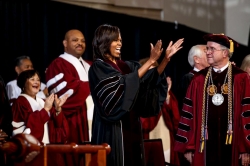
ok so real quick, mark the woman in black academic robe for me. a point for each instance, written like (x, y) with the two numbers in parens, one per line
(122, 92)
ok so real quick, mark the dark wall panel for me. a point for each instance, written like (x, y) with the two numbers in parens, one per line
(37, 29)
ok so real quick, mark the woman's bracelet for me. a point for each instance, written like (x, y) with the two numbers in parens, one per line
(58, 112)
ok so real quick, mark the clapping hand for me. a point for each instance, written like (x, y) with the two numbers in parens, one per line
(173, 48)
(49, 102)
(58, 102)
(156, 51)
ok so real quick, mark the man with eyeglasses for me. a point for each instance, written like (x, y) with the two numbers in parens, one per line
(215, 125)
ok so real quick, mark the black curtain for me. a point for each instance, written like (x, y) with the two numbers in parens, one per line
(37, 29)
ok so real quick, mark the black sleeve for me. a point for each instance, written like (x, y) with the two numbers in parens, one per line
(152, 94)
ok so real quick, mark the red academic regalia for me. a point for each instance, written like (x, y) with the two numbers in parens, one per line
(26, 119)
(189, 132)
(74, 109)
(171, 116)
(184, 83)
(34, 120)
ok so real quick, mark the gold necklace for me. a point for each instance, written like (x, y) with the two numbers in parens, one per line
(224, 88)
(212, 89)
(217, 98)
(204, 118)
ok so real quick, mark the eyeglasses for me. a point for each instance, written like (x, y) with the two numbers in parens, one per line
(211, 49)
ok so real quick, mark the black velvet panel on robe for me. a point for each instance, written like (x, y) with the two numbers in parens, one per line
(217, 151)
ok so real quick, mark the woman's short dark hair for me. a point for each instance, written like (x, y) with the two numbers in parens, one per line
(24, 76)
(104, 36)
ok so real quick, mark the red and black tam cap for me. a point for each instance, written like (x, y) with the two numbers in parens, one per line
(223, 40)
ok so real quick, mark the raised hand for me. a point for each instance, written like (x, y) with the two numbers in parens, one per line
(49, 102)
(156, 51)
(58, 102)
(173, 48)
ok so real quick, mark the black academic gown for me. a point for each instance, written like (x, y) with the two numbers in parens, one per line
(120, 98)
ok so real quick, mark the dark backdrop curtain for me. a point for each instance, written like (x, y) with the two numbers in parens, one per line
(37, 29)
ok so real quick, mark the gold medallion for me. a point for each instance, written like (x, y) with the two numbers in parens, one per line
(224, 88)
(211, 90)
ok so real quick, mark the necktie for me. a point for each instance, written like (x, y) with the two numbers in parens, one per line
(83, 66)
(81, 63)
(219, 71)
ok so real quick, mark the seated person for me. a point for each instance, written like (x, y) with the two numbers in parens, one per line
(36, 116)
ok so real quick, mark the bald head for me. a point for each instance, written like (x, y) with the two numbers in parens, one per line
(74, 43)
(71, 32)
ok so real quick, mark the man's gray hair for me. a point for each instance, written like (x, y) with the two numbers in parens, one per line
(194, 51)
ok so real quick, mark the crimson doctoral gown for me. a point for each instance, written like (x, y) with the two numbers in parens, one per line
(64, 75)
(189, 131)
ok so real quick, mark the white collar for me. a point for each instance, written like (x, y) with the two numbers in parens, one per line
(221, 69)
(36, 104)
(195, 69)
(82, 70)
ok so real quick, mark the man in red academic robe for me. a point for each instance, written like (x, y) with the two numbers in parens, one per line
(69, 74)
(214, 126)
